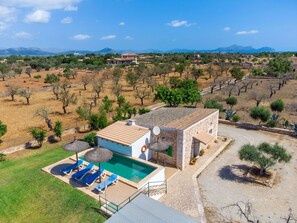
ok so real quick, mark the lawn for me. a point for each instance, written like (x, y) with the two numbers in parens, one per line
(27, 194)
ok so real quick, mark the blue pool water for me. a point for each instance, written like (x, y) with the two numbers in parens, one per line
(127, 168)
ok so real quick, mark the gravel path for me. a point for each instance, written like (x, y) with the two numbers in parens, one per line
(219, 189)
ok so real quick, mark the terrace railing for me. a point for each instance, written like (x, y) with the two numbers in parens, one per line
(150, 189)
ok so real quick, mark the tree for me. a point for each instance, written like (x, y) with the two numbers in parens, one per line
(67, 98)
(190, 91)
(209, 103)
(51, 78)
(97, 121)
(73, 73)
(237, 73)
(132, 79)
(4, 69)
(258, 97)
(231, 101)
(98, 86)
(85, 80)
(58, 128)
(277, 105)
(38, 134)
(196, 73)
(44, 114)
(172, 97)
(26, 93)
(175, 82)
(28, 71)
(260, 113)
(142, 93)
(107, 104)
(257, 71)
(180, 68)
(117, 73)
(3, 129)
(117, 89)
(12, 90)
(279, 65)
(210, 71)
(264, 155)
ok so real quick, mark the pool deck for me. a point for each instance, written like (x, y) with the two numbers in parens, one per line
(115, 193)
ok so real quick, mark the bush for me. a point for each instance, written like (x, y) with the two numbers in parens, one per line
(236, 118)
(51, 78)
(260, 113)
(58, 128)
(213, 104)
(277, 105)
(3, 129)
(201, 152)
(2, 157)
(231, 101)
(271, 123)
(98, 121)
(143, 110)
(39, 135)
(37, 76)
(91, 139)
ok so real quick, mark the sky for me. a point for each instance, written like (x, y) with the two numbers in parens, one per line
(148, 24)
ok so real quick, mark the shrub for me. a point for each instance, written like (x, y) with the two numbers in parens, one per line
(2, 157)
(231, 101)
(236, 118)
(277, 105)
(91, 139)
(260, 113)
(39, 135)
(58, 128)
(37, 76)
(271, 123)
(201, 152)
(213, 104)
(51, 78)
(98, 121)
(3, 129)
(143, 110)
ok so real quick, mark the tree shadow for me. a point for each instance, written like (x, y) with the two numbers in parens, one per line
(237, 173)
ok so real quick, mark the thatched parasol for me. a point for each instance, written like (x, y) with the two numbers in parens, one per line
(159, 146)
(76, 146)
(98, 155)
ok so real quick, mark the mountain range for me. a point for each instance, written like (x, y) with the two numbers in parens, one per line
(32, 51)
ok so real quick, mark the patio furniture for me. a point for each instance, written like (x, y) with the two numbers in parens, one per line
(80, 174)
(109, 181)
(67, 170)
(89, 180)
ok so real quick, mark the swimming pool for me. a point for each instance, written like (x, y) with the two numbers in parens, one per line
(127, 168)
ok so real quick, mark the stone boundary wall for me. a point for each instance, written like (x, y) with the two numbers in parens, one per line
(245, 125)
(33, 142)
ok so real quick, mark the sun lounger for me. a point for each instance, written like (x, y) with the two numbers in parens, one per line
(67, 170)
(89, 180)
(109, 181)
(80, 174)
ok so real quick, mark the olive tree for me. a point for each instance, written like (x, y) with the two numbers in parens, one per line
(264, 155)
(12, 90)
(67, 98)
(26, 93)
(260, 113)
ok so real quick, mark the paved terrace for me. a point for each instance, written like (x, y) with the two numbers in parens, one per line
(183, 192)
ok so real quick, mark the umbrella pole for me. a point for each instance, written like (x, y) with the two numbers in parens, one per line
(76, 159)
(99, 170)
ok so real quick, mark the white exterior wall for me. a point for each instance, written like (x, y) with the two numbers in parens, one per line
(136, 147)
(158, 178)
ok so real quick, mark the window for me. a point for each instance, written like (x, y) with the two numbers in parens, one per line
(210, 131)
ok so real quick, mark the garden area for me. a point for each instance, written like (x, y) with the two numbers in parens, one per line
(27, 194)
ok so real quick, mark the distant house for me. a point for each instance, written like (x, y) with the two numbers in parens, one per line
(184, 132)
(126, 58)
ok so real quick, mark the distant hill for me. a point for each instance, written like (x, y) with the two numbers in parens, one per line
(31, 51)
(241, 49)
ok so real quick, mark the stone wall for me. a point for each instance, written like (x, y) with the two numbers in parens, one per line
(208, 125)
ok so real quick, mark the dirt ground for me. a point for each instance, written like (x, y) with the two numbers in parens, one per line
(220, 187)
(19, 117)
(288, 94)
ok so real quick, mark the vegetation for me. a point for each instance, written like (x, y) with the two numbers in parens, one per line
(260, 113)
(39, 135)
(264, 155)
(91, 139)
(37, 196)
(97, 121)
(279, 65)
(2, 157)
(51, 78)
(213, 104)
(58, 129)
(143, 110)
(237, 73)
(277, 105)
(236, 118)
(231, 101)
(3, 129)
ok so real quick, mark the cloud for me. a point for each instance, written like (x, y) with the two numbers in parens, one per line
(40, 4)
(3, 26)
(7, 14)
(121, 24)
(129, 38)
(179, 23)
(81, 37)
(109, 37)
(70, 8)
(23, 35)
(247, 32)
(226, 29)
(66, 20)
(38, 16)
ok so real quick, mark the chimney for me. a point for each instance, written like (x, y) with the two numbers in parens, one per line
(131, 122)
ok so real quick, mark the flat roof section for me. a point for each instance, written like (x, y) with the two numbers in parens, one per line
(176, 118)
(146, 210)
(122, 133)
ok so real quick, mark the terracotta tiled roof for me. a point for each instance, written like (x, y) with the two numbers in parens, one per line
(122, 133)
